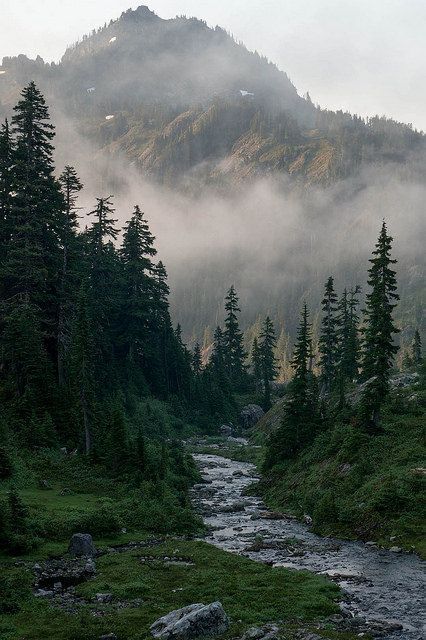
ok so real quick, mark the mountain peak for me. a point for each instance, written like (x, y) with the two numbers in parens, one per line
(141, 13)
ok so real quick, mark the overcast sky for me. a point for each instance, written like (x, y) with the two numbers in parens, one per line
(365, 56)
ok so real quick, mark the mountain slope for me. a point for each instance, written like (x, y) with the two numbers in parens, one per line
(173, 95)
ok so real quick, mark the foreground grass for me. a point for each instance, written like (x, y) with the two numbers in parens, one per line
(251, 594)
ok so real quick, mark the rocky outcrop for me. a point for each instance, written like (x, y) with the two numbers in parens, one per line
(250, 415)
(194, 621)
(81, 544)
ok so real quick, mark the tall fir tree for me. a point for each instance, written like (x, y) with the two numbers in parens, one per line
(6, 168)
(69, 279)
(267, 348)
(197, 361)
(416, 349)
(31, 266)
(348, 335)
(256, 361)
(234, 351)
(328, 343)
(136, 305)
(379, 349)
(301, 419)
(104, 272)
(37, 208)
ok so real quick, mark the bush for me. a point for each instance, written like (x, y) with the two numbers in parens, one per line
(325, 511)
(15, 589)
(101, 521)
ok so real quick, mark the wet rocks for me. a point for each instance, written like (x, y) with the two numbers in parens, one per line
(81, 544)
(235, 507)
(60, 574)
(193, 621)
(272, 515)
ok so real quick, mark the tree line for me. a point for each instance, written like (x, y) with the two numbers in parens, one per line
(351, 349)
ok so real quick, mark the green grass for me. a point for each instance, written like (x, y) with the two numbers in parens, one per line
(360, 486)
(251, 593)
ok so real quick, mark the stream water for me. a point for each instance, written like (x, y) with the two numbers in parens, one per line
(379, 585)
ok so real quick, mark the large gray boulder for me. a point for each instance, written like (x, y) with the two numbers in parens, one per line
(81, 544)
(250, 415)
(194, 621)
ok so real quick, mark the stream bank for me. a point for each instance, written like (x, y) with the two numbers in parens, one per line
(382, 591)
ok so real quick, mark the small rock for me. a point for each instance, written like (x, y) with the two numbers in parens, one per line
(307, 519)
(90, 567)
(81, 544)
(108, 636)
(104, 598)
(194, 621)
(395, 549)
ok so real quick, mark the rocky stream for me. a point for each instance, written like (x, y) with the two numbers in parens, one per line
(383, 590)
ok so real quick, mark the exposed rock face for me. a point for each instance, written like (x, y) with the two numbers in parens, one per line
(250, 415)
(81, 544)
(196, 620)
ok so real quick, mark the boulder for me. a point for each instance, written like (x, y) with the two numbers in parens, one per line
(81, 544)
(226, 430)
(250, 415)
(194, 621)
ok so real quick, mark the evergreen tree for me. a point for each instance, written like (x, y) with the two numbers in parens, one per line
(328, 338)
(379, 349)
(6, 167)
(267, 347)
(217, 362)
(234, 350)
(71, 186)
(197, 362)
(416, 349)
(36, 212)
(348, 331)
(301, 419)
(256, 360)
(138, 284)
(82, 365)
(104, 273)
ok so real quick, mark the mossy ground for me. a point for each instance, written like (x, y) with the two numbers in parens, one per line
(251, 593)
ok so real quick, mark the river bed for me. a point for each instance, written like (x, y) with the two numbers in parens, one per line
(378, 585)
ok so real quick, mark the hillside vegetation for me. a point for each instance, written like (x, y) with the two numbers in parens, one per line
(356, 485)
